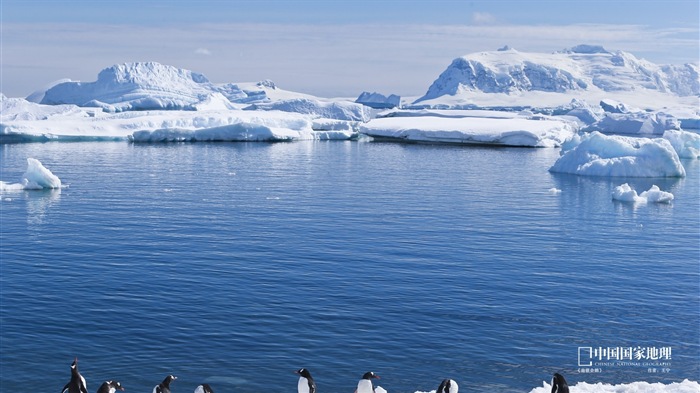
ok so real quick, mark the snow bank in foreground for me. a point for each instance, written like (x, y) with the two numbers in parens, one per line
(635, 387)
(625, 193)
(595, 154)
(36, 177)
(516, 131)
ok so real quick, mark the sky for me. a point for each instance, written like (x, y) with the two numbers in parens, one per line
(322, 47)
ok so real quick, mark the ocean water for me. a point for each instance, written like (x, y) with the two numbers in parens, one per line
(236, 264)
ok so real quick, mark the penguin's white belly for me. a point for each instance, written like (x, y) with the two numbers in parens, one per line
(365, 386)
(303, 385)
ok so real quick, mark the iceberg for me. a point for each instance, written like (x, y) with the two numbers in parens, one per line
(236, 132)
(36, 177)
(149, 101)
(133, 86)
(625, 193)
(153, 86)
(12, 109)
(641, 123)
(165, 125)
(582, 68)
(596, 154)
(515, 80)
(330, 110)
(686, 144)
(613, 106)
(429, 127)
(378, 101)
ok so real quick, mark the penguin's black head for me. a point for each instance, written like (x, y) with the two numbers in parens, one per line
(303, 373)
(559, 384)
(115, 384)
(370, 375)
(445, 386)
(74, 367)
(206, 388)
(168, 379)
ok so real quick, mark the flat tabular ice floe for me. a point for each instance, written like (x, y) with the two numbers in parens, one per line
(236, 132)
(505, 131)
(595, 154)
(36, 177)
(164, 126)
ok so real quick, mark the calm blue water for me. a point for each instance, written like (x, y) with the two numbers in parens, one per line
(236, 264)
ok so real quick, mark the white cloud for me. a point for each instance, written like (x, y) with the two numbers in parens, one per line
(483, 18)
(202, 51)
(325, 60)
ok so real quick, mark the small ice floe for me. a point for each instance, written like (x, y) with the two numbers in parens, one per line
(554, 190)
(36, 177)
(625, 193)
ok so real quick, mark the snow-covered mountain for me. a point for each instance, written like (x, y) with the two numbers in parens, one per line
(584, 68)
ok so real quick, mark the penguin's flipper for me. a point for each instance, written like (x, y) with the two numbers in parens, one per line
(65, 387)
(83, 389)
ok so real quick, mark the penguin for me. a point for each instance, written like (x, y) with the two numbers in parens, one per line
(365, 384)
(164, 387)
(110, 387)
(559, 384)
(77, 382)
(204, 388)
(448, 386)
(306, 383)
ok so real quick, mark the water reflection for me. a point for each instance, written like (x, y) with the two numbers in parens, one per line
(38, 204)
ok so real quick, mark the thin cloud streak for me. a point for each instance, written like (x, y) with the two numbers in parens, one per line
(323, 60)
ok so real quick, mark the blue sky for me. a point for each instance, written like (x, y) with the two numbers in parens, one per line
(322, 47)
